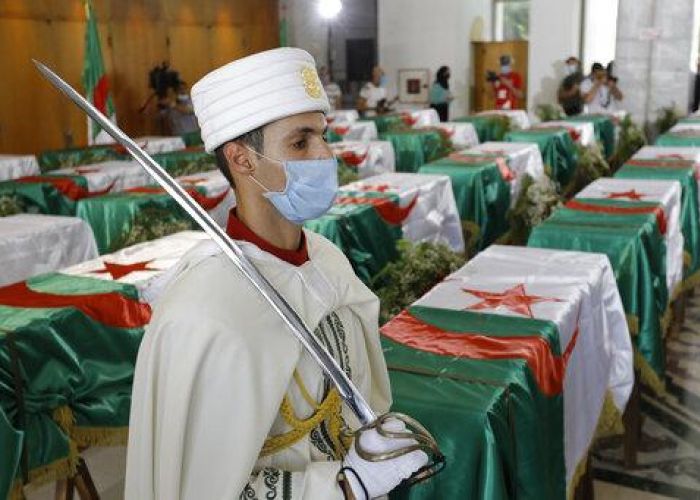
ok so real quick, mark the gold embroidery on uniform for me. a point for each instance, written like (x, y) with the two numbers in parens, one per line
(312, 84)
(329, 410)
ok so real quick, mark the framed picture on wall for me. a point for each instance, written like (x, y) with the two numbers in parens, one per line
(414, 85)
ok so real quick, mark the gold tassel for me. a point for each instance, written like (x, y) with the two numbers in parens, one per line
(648, 376)
(609, 424)
(633, 324)
(691, 281)
(86, 437)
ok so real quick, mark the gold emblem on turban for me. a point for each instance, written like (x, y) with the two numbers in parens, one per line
(312, 84)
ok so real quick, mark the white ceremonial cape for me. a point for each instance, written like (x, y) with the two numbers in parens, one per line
(216, 362)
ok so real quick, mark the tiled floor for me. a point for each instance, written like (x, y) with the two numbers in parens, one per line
(669, 461)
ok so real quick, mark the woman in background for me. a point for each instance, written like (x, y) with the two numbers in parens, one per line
(440, 95)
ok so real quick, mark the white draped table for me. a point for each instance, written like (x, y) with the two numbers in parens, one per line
(578, 293)
(32, 244)
(161, 144)
(16, 166)
(665, 193)
(342, 116)
(421, 117)
(363, 130)
(584, 131)
(140, 264)
(369, 158)
(461, 134)
(433, 218)
(214, 184)
(523, 159)
(109, 176)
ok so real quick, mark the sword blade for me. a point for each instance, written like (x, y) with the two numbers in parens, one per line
(350, 394)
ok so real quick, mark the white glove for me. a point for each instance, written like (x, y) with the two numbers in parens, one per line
(379, 478)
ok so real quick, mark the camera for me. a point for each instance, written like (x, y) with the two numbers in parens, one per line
(162, 78)
(491, 77)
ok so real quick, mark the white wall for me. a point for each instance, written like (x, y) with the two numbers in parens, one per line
(430, 33)
(555, 31)
(654, 50)
(305, 28)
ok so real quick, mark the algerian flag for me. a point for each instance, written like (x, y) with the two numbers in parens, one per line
(95, 79)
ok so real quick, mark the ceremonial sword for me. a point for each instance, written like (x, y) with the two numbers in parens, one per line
(347, 390)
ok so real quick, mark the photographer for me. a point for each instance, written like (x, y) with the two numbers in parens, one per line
(569, 94)
(181, 113)
(507, 85)
(600, 91)
(373, 98)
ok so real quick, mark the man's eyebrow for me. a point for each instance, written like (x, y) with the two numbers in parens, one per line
(304, 131)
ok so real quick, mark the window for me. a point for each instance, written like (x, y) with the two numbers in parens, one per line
(599, 32)
(512, 20)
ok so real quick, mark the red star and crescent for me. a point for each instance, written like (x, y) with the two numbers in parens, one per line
(514, 299)
(118, 271)
(632, 194)
(380, 188)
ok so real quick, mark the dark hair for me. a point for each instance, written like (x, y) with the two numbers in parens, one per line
(255, 139)
(441, 76)
(597, 67)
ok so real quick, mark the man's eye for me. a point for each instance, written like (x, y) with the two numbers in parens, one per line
(299, 144)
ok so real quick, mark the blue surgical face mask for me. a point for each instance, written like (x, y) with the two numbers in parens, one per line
(383, 80)
(571, 68)
(311, 188)
(505, 69)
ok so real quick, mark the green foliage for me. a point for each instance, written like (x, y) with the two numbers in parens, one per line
(202, 164)
(631, 140)
(537, 200)
(591, 166)
(10, 205)
(549, 112)
(151, 223)
(346, 174)
(667, 118)
(501, 124)
(64, 159)
(419, 268)
(443, 148)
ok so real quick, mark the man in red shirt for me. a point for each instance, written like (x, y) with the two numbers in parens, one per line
(508, 88)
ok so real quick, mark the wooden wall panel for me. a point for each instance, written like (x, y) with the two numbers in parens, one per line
(190, 51)
(194, 35)
(137, 46)
(28, 107)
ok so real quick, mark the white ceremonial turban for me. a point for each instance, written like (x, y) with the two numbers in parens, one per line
(254, 91)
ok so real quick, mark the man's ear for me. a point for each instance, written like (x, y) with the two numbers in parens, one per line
(239, 158)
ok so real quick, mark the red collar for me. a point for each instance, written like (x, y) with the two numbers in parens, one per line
(237, 230)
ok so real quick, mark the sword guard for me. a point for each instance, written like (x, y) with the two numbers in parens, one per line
(423, 441)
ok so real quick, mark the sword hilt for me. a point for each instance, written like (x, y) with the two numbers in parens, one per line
(421, 437)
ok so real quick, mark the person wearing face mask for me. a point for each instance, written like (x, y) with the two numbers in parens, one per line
(569, 94)
(600, 91)
(440, 95)
(373, 98)
(333, 90)
(508, 87)
(226, 403)
(181, 113)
